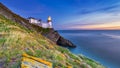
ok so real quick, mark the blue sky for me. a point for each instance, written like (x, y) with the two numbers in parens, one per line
(71, 14)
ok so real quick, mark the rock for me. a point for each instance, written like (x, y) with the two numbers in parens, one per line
(64, 42)
(55, 37)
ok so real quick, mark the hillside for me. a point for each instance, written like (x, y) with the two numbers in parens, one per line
(49, 33)
(15, 40)
(18, 38)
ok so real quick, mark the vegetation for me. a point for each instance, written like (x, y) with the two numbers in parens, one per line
(90, 62)
(15, 40)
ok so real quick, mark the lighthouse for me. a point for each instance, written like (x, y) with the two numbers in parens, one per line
(47, 24)
(49, 20)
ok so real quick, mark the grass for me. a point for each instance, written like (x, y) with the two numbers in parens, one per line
(16, 39)
(90, 62)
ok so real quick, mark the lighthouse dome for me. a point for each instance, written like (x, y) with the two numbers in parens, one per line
(49, 18)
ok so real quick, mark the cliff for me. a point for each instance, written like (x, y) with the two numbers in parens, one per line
(55, 37)
(17, 36)
(49, 33)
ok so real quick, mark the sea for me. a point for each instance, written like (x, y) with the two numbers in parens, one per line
(102, 46)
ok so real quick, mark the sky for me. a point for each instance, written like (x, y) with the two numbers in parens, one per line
(71, 14)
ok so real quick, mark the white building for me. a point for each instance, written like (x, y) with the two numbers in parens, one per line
(45, 25)
(49, 21)
(48, 24)
(33, 20)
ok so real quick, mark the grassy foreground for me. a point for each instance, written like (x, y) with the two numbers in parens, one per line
(15, 40)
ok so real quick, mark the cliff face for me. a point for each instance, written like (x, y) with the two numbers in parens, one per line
(49, 33)
(55, 37)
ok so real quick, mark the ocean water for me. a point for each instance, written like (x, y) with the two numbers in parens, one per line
(103, 45)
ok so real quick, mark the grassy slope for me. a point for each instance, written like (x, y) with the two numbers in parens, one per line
(15, 39)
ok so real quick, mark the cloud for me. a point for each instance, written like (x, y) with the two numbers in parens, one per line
(98, 9)
(101, 18)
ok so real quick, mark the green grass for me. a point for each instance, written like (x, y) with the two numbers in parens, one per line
(2, 40)
(16, 39)
(91, 62)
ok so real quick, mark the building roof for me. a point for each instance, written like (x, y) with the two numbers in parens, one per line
(31, 18)
(34, 18)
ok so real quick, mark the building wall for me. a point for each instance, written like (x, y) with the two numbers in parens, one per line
(38, 21)
(50, 24)
(34, 21)
(45, 25)
(31, 20)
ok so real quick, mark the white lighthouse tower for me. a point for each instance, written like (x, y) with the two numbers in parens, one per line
(49, 20)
